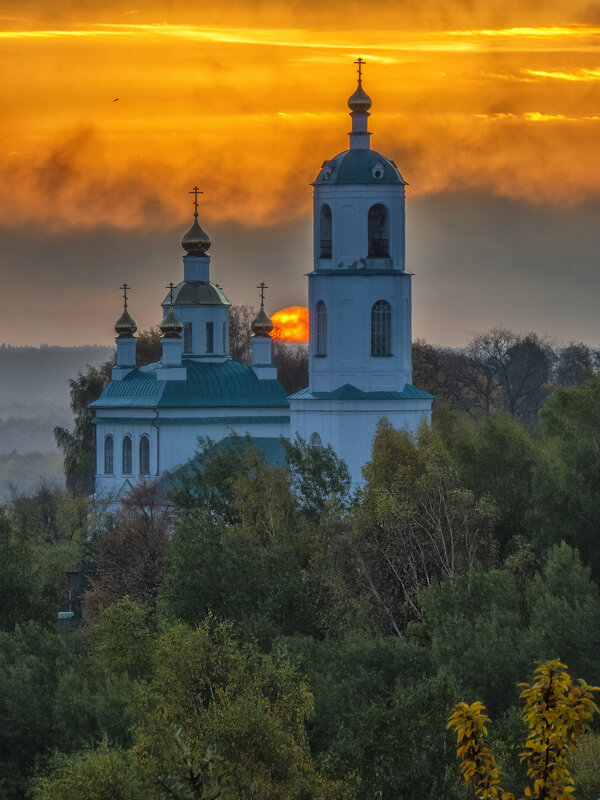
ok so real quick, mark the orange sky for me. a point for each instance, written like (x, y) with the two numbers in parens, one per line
(494, 99)
(503, 97)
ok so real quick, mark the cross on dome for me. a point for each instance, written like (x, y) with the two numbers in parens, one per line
(125, 287)
(262, 286)
(360, 62)
(195, 191)
(170, 287)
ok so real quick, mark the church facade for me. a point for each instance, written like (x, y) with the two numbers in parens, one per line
(148, 419)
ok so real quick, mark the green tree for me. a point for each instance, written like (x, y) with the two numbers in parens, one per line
(567, 480)
(79, 446)
(249, 711)
(418, 523)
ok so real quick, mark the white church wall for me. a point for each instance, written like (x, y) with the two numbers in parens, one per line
(349, 300)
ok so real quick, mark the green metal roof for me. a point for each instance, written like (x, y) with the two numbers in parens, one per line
(161, 421)
(350, 392)
(208, 385)
(357, 167)
(197, 293)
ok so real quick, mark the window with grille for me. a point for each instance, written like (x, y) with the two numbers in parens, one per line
(209, 337)
(187, 337)
(379, 232)
(315, 440)
(381, 329)
(144, 455)
(127, 455)
(108, 455)
(320, 329)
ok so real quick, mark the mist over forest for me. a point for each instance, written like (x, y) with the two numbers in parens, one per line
(34, 398)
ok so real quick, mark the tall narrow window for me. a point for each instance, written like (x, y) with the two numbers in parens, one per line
(315, 440)
(187, 337)
(127, 455)
(325, 240)
(379, 232)
(381, 329)
(144, 456)
(108, 455)
(225, 337)
(209, 338)
(320, 329)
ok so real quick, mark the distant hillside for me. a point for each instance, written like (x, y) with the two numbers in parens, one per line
(34, 397)
(34, 377)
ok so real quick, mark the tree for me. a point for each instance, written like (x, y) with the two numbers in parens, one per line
(574, 364)
(291, 361)
(79, 447)
(519, 366)
(418, 523)
(556, 713)
(240, 321)
(317, 475)
(130, 556)
(567, 479)
(148, 347)
(246, 711)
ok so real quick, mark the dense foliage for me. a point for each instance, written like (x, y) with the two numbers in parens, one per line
(274, 633)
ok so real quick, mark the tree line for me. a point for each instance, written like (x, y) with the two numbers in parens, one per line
(271, 633)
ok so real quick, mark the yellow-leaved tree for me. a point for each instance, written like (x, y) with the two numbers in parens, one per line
(556, 711)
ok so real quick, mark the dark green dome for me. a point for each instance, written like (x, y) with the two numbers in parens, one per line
(197, 293)
(359, 166)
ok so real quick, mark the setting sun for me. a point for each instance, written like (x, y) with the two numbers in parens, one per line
(291, 324)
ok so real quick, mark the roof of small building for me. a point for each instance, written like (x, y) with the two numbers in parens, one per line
(197, 293)
(208, 385)
(270, 448)
(359, 166)
(350, 392)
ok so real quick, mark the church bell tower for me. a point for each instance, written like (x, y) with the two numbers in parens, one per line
(360, 363)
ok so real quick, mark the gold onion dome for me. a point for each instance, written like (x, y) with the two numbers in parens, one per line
(196, 241)
(360, 100)
(261, 325)
(171, 326)
(125, 326)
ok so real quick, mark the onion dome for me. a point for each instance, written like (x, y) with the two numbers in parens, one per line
(196, 241)
(171, 326)
(261, 325)
(360, 100)
(125, 326)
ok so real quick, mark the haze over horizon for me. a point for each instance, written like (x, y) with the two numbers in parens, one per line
(111, 114)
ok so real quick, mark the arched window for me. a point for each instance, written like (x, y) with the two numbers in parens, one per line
(320, 329)
(108, 455)
(381, 329)
(379, 232)
(127, 455)
(325, 232)
(315, 440)
(144, 456)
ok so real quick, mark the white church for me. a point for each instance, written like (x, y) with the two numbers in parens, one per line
(148, 419)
